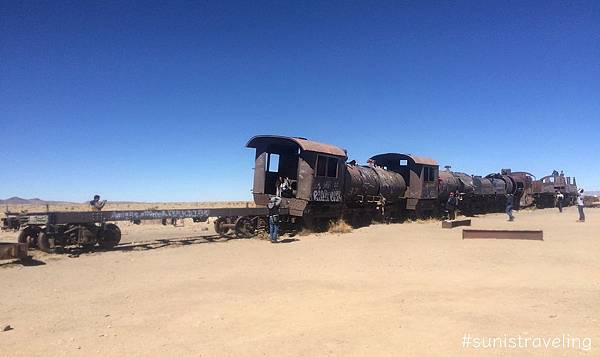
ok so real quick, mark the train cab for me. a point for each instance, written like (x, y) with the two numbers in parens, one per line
(313, 171)
(419, 173)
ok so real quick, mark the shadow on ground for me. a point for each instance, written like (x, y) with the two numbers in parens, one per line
(27, 262)
(76, 251)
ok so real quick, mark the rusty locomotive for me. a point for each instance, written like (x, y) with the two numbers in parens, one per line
(394, 186)
(544, 190)
(323, 187)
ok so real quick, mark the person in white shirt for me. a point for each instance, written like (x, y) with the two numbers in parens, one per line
(580, 206)
(559, 200)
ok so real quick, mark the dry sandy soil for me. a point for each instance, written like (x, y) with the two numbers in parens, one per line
(408, 289)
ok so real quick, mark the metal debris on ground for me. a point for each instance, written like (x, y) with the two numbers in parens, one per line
(456, 223)
(13, 250)
(502, 234)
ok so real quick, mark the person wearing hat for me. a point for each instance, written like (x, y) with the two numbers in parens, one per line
(96, 204)
(273, 207)
(580, 206)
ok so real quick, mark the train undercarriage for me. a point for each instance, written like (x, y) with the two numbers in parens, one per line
(53, 238)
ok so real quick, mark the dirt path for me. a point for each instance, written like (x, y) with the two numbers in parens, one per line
(404, 289)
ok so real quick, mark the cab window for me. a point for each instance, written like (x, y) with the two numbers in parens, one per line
(332, 166)
(428, 174)
(326, 166)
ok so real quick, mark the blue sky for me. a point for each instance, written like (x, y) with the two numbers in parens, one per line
(154, 101)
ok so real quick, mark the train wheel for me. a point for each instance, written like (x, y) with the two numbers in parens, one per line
(219, 229)
(30, 236)
(322, 223)
(245, 227)
(365, 219)
(44, 243)
(353, 219)
(526, 201)
(111, 236)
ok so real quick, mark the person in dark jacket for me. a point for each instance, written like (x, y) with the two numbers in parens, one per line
(451, 206)
(273, 207)
(96, 204)
(509, 207)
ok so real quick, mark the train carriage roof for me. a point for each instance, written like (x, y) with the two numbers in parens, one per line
(382, 159)
(302, 143)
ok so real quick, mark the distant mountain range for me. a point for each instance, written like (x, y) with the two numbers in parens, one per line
(30, 201)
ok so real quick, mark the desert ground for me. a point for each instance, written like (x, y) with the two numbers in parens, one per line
(409, 289)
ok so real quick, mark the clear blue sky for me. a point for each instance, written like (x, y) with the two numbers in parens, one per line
(155, 101)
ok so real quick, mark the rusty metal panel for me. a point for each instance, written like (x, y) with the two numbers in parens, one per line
(366, 184)
(483, 186)
(261, 199)
(309, 145)
(360, 181)
(430, 190)
(411, 203)
(448, 182)
(13, 250)
(416, 185)
(502, 234)
(296, 207)
(326, 189)
(259, 173)
(305, 178)
(391, 184)
(456, 223)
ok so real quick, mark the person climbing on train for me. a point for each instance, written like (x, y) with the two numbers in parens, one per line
(285, 188)
(451, 205)
(96, 204)
(580, 205)
(273, 207)
(509, 207)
